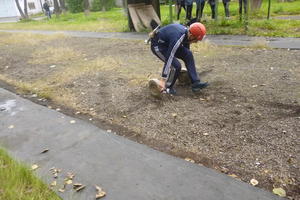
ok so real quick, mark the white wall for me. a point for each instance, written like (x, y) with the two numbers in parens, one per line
(36, 6)
(7, 8)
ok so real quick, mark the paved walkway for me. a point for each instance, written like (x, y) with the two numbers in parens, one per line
(124, 169)
(232, 40)
(8, 19)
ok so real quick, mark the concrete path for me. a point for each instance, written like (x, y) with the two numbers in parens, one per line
(124, 169)
(9, 19)
(232, 40)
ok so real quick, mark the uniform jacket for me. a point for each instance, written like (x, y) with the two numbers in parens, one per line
(170, 38)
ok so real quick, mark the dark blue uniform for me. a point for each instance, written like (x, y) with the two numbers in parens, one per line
(169, 43)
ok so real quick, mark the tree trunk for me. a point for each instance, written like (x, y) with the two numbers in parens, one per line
(56, 8)
(20, 9)
(25, 9)
(256, 5)
(86, 7)
(62, 5)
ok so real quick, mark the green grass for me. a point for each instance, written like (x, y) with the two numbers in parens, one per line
(17, 182)
(110, 21)
(115, 20)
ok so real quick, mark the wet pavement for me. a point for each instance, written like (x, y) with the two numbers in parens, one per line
(124, 169)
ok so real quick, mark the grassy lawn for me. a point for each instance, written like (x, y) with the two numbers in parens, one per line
(115, 20)
(17, 182)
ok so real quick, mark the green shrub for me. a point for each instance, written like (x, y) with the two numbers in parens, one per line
(75, 6)
(99, 5)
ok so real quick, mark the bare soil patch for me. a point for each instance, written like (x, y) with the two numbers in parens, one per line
(246, 123)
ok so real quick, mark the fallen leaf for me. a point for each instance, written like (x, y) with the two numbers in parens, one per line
(72, 121)
(254, 86)
(206, 134)
(70, 175)
(34, 167)
(52, 66)
(189, 160)
(233, 175)
(100, 192)
(11, 126)
(174, 115)
(53, 184)
(124, 116)
(75, 185)
(201, 99)
(79, 188)
(254, 182)
(69, 182)
(279, 191)
(61, 190)
(45, 150)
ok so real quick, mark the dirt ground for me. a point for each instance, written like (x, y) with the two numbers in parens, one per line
(245, 124)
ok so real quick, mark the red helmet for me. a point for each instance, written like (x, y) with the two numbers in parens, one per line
(198, 30)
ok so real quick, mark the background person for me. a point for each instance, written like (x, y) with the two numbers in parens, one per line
(180, 4)
(46, 7)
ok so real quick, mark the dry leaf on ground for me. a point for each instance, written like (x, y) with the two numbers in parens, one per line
(79, 188)
(253, 182)
(61, 190)
(34, 167)
(45, 150)
(53, 184)
(233, 175)
(279, 191)
(100, 192)
(189, 160)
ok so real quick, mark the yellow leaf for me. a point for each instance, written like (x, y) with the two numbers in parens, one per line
(53, 183)
(61, 190)
(69, 182)
(11, 126)
(189, 160)
(233, 175)
(100, 194)
(279, 191)
(253, 182)
(34, 167)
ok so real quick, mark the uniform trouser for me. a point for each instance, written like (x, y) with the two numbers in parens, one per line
(179, 6)
(172, 74)
(189, 10)
(226, 8)
(199, 11)
(241, 4)
(213, 10)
